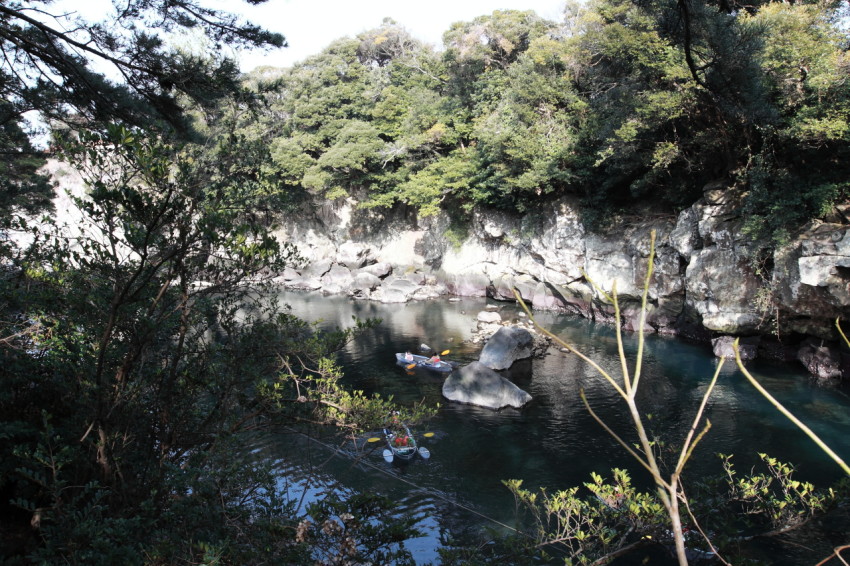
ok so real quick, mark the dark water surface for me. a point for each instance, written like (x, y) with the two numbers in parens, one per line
(553, 441)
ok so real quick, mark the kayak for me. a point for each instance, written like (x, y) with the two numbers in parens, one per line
(401, 444)
(423, 362)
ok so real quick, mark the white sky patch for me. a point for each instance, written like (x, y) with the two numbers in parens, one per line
(311, 25)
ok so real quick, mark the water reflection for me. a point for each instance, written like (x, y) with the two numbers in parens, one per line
(553, 441)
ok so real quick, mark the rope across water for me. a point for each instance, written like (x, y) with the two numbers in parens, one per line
(360, 460)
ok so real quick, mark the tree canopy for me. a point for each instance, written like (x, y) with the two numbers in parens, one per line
(623, 104)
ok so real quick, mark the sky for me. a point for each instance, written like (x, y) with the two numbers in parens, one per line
(311, 25)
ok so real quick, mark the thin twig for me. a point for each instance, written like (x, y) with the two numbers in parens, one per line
(835, 554)
(649, 269)
(781, 408)
(572, 349)
(688, 447)
(616, 437)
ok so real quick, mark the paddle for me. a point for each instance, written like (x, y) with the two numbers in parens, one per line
(428, 434)
(373, 439)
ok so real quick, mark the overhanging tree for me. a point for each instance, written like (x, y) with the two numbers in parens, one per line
(135, 351)
(61, 69)
(121, 68)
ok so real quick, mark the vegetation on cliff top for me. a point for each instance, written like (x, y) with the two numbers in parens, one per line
(621, 103)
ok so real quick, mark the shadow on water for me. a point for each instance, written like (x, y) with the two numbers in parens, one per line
(553, 441)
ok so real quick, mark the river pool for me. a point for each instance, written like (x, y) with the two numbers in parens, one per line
(553, 441)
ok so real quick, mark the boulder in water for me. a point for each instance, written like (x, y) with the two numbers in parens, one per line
(476, 384)
(507, 345)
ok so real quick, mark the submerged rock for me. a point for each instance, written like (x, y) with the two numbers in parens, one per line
(747, 347)
(476, 384)
(489, 317)
(399, 290)
(821, 361)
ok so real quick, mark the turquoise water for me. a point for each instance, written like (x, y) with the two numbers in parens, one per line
(553, 441)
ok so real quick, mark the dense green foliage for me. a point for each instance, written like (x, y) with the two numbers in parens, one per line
(141, 355)
(624, 104)
(723, 513)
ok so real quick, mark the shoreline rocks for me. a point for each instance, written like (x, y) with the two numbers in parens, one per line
(709, 281)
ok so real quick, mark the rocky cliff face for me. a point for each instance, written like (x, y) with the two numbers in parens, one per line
(709, 281)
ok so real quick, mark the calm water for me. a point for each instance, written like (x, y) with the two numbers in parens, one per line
(552, 441)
